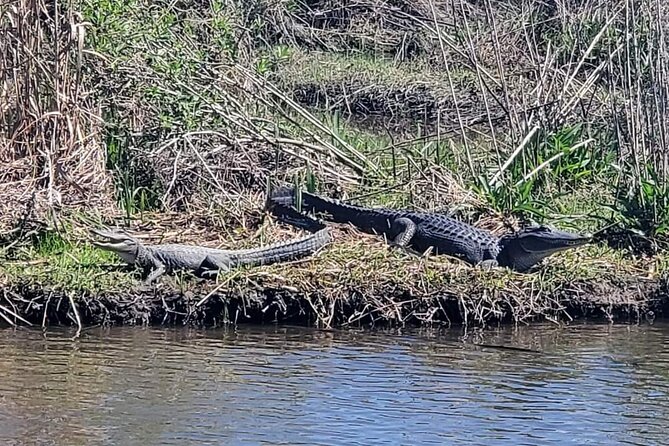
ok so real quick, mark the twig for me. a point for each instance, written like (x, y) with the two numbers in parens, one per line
(550, 160)
(5, 309)
(46, 307)
(513, 156)
(76, 316)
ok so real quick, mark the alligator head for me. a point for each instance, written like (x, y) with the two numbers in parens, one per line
(525, 248)
(124, 245)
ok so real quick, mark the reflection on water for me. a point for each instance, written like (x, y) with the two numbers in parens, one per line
(586, 385)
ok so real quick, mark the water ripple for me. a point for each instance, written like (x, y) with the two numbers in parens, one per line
(589, 385)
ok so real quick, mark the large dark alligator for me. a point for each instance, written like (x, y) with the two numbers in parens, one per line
(444, 235)
(158, 259)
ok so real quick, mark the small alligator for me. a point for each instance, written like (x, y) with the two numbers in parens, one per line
(421, 231)
(158, 259)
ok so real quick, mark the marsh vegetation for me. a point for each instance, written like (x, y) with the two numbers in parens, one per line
(173, 117)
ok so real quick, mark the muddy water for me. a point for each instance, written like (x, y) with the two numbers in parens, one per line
(134, 386)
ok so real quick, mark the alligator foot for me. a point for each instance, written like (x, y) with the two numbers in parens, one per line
(211, 266)
(397, 247)
(488, 265)
(405, 229)
(206, 273)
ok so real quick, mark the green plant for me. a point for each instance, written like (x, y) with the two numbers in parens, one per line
(577, 160)
(281, 54)
(511, 199)
(263, 66)
(645, 204)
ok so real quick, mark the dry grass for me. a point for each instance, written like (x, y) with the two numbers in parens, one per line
(516, 71)
(50, 140)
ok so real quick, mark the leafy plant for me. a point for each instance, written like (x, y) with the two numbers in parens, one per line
(645, 205)
(510, 199)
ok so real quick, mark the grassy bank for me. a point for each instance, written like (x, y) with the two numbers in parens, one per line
(356, 281)
(171, 119)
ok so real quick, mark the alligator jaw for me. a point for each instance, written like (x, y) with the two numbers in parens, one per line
(525, 248)
(114, 241)
(558, 241)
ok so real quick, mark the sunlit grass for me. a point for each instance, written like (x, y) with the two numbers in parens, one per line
(54, 261)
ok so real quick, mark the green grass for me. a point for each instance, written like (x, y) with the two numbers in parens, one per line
(323, 68)
(55, 261)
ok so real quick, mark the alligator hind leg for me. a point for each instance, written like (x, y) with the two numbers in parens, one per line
(405, 229)
(210, 267)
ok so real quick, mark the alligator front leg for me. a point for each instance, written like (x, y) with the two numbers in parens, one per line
(406, 228)
(158, 270)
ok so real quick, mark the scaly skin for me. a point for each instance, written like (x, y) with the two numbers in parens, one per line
(158, 259)
(421, 231)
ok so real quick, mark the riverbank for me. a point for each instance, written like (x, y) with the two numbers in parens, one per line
(357, 280)
(174, 119)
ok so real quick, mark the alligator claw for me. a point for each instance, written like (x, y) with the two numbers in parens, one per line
(488, 265)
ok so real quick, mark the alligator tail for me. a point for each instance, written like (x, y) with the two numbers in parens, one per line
(336, 211)
(284, 211)
(284, 251)
(375, 221)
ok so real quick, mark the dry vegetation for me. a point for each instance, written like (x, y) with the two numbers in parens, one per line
(173, 117)
(51, 145)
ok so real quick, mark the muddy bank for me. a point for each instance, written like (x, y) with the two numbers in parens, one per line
(315, 297)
